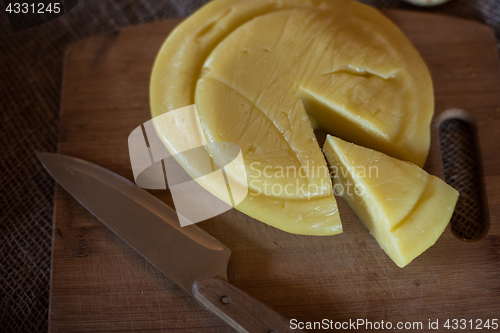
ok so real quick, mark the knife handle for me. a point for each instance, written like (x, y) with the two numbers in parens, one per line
(240, 311)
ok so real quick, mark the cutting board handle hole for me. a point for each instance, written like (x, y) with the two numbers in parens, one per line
(462, 170)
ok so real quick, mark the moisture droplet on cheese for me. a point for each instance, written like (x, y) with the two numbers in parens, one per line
(404, 207)
(262, 73)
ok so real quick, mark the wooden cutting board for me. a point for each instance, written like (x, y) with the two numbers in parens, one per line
(99, 284)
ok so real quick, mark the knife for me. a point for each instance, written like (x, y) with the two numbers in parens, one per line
(189, 256)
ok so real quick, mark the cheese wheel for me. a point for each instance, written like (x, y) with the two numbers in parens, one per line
(260, 72)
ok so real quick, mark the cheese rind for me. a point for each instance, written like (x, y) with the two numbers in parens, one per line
(257, 70)
(405, 208)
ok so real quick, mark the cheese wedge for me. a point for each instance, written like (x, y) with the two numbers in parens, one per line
(404, 207)
(259, 70)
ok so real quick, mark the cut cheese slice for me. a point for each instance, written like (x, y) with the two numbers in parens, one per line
(405, 208)
(259, 70)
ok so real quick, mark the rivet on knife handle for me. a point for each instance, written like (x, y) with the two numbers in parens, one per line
(242, 312)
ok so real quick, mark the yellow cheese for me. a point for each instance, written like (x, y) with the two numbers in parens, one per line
(259, 70)
(405, 208)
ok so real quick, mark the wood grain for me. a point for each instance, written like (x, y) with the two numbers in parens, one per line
(99, 284)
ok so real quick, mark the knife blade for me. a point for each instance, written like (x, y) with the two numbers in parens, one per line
(188, 255)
